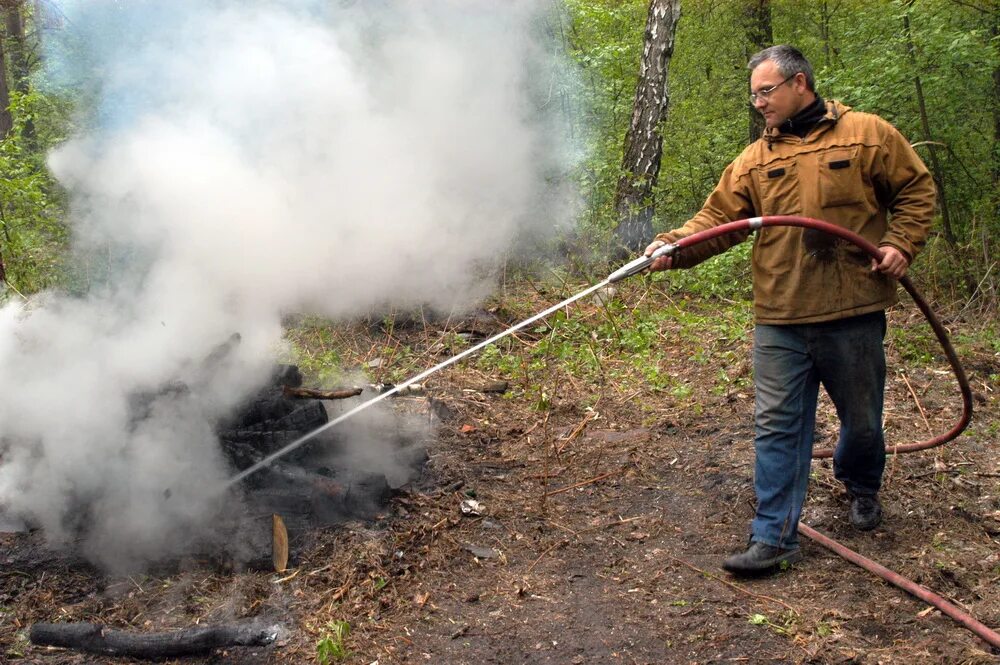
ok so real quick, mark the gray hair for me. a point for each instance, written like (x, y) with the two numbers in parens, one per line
(789, 60)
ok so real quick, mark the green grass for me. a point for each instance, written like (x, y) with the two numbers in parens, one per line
(632, 340)
(331, 647)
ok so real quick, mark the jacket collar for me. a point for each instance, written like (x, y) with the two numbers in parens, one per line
(834, 111)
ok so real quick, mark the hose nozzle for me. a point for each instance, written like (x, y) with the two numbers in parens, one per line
(640, 264)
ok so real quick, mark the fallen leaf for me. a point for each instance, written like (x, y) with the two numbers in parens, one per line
(481, 552)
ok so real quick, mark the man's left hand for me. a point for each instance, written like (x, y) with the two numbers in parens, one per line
(894, 263)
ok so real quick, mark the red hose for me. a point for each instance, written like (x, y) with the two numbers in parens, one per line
(874, 252)
(987, 634)
(920, 592)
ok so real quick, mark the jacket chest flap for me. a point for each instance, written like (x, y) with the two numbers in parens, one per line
(813, 181)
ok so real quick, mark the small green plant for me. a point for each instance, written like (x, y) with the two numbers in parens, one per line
(681, 391)
(544, 402)
(762, 620)
(915, 345)
(331, 647)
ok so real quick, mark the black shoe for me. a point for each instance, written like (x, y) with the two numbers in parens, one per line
(760, 558)
(866, 512)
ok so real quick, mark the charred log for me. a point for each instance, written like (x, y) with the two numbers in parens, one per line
(97, 638)
(305, 416)
(249, 447)
(303, 497)
(344, 393)
(286, 375)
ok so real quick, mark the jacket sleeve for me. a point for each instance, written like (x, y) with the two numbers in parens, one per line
(730, 200)
(907, 190)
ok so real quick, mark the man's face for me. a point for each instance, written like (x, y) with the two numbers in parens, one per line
(785, 100)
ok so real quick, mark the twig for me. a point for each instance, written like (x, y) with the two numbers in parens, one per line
(543, 476)
(583, 482)
(12, 288)
(339, 593)
(618, 522)
(734, 586)
(592, 415)
(563, 527)
(920, 407)
(542, 555)
(531, 429)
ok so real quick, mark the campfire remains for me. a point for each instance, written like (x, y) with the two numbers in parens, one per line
(312, 486)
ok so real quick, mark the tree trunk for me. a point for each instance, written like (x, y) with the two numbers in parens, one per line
(926, 129)
(759, 36)
(824, 30)
(18, 50)
(643, 142)
(936, 170)
(6, 119)
(995, 32)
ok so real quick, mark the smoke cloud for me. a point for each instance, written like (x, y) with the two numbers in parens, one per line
(240, 161)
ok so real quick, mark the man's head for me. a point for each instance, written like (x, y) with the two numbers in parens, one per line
(781, 83)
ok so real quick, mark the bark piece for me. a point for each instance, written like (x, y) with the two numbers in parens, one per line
(498, 387)
(344, 393)
(97, 638)
(279, 544)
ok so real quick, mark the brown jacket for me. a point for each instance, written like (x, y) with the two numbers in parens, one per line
(853, 169)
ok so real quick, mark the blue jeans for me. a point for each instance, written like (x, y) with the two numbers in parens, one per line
(790, 363)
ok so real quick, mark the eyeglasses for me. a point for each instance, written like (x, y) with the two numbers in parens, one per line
(766, 92)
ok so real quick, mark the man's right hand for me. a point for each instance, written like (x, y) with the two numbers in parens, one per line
(662, 263)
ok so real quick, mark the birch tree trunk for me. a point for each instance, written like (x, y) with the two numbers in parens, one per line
(634, 203)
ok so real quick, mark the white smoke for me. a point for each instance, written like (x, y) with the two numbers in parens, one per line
(244, 160)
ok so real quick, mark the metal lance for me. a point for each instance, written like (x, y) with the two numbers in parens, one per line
(402, 386)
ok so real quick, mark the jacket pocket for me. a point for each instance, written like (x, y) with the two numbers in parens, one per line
(779, 188)
(840, 182)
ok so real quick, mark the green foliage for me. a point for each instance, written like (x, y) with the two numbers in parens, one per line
(331, 646)
(33, 237)
(726, 276)
(604, 41)
(916, 345)
(861, 56)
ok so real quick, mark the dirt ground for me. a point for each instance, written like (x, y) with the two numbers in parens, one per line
(600, 526)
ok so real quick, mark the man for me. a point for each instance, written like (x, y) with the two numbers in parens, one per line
(819, 302)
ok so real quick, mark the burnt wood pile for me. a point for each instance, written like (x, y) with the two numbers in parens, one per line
(313, 485)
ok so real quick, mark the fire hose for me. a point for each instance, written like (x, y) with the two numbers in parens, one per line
(754, 223)
(640, 265)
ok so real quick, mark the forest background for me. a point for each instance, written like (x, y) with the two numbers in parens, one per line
(931, 67)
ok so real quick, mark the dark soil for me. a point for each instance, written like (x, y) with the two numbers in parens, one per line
(599, 536)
